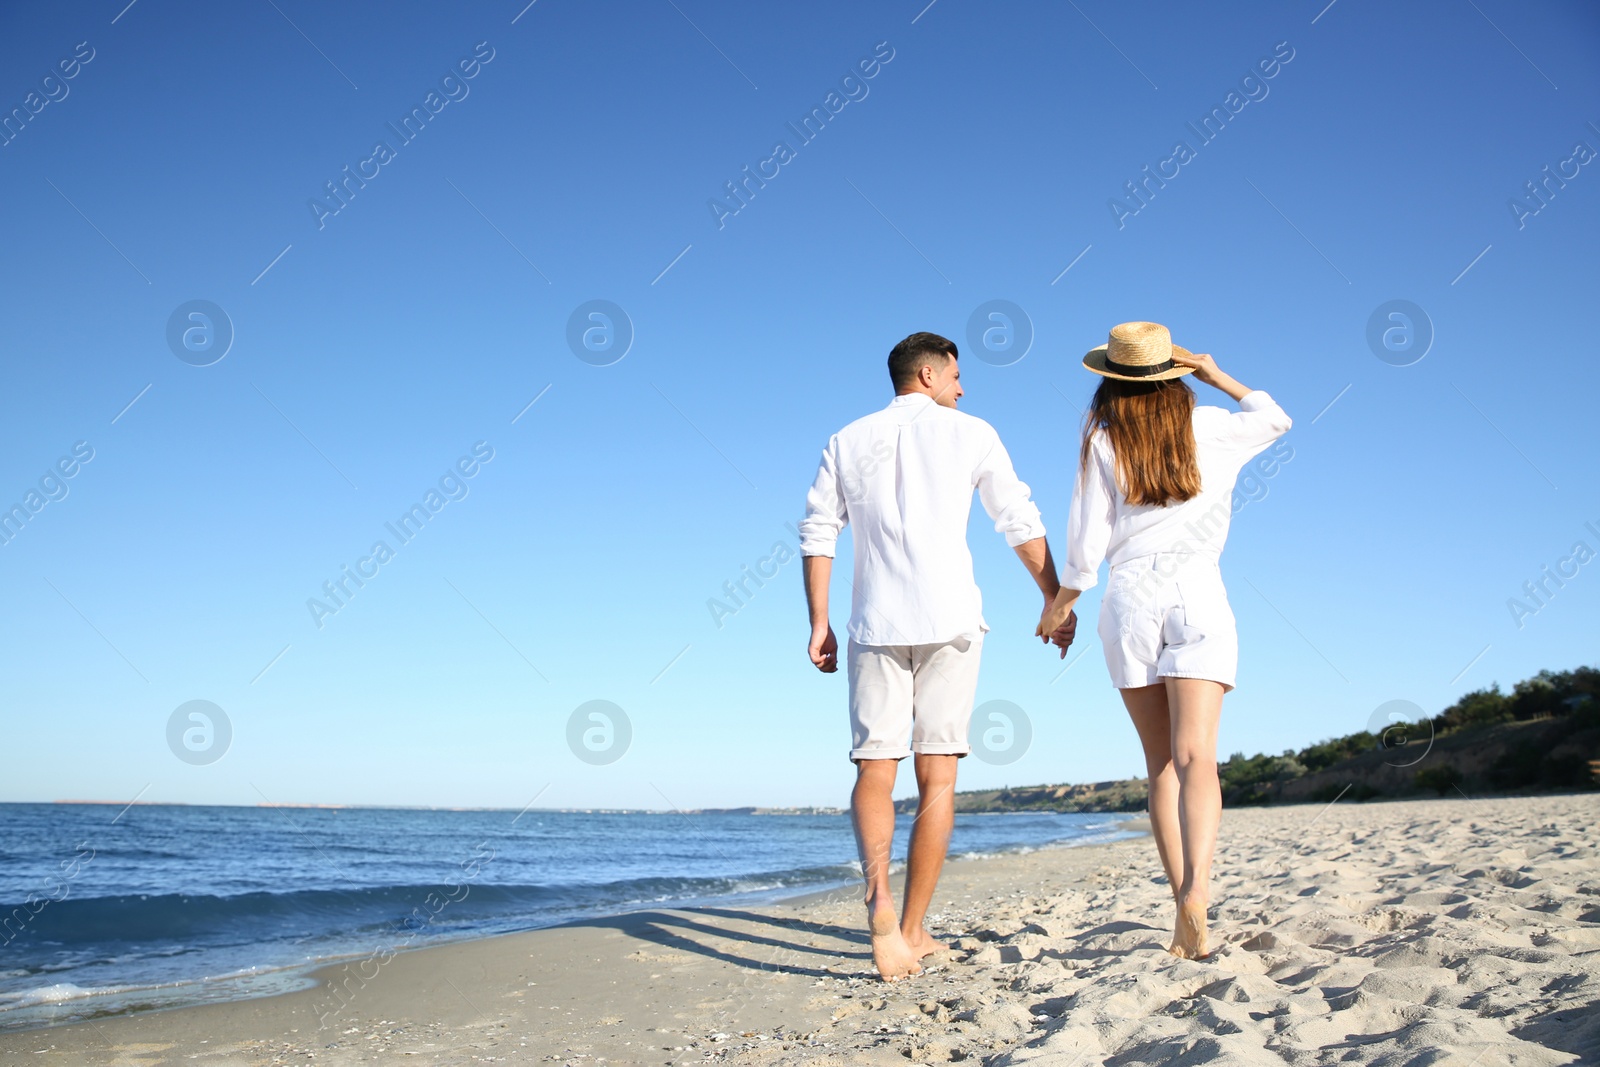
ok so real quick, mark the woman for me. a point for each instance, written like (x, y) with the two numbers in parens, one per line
(1154, 494)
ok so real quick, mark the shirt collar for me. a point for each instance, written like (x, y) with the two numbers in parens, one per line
(910, 399)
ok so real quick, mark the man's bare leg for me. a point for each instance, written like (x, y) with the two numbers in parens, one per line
(930, 840)
(872, 812)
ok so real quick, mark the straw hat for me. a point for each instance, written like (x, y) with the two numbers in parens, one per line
(1137, 352)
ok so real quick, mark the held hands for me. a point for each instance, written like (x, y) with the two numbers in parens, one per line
(824, 650)
(1059, 623)
(1062, 636)
(1056, 613)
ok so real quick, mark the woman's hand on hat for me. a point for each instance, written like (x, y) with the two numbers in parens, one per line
(1205, 368)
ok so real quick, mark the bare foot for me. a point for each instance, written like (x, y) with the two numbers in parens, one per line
(1189, 933)
(890, 954)
(923, 943)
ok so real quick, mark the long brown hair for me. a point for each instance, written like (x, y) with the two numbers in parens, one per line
(1151, 429)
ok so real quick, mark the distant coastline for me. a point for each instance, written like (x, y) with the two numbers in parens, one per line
(1542, 737)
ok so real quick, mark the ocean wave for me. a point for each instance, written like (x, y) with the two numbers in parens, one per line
(180, 918)
(58, 993)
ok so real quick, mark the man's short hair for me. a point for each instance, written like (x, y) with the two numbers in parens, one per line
(919, 350)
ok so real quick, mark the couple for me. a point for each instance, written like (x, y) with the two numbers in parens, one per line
(1153, 495)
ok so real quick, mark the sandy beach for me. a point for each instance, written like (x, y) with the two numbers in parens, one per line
(1431, 932)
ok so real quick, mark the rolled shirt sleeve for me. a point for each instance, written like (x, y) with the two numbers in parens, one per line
(1006, 498)
(1089, 524)
(1258, 422)
(826, 514)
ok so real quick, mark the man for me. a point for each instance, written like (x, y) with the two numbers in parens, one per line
(903, 478)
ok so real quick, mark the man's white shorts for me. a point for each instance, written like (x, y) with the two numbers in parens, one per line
(920, 693)
(1167, 616)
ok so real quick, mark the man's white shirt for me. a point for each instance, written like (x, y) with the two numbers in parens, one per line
(903, 479)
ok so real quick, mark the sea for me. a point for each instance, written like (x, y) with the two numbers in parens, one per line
(107, 909)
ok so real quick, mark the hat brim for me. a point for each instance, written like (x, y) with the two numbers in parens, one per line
(1095, 360)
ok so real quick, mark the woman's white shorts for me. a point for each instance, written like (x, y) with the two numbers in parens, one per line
(1167, 616)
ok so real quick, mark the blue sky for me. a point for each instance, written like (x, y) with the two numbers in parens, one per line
(375, 346)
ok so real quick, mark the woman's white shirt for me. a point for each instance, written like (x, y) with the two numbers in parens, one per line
(1103, 526)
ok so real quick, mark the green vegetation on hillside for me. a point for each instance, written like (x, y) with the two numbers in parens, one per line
(1544, 735)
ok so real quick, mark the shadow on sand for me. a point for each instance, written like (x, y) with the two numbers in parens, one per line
(745, 939)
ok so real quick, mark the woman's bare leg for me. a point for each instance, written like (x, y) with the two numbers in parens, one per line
(1196, 707)
(1147, 707)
